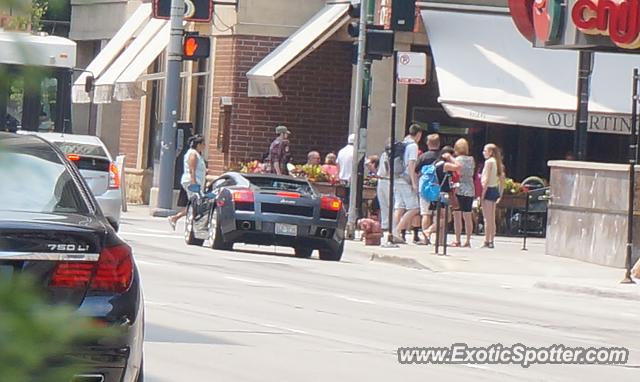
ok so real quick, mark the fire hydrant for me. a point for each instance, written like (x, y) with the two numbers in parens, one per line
(371, 231)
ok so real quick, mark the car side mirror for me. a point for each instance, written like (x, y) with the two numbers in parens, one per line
(112, 221)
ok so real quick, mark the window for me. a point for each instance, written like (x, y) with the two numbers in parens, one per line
(280, 184)
(81, 149)
(35, 180)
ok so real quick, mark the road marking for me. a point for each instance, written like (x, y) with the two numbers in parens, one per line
(297, 331)
(353, 299)
(165, 236)
(144, 262)
(242, 280)
(164, 232)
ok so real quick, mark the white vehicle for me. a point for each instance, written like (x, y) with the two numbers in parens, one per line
(97, 167)
(36, 73)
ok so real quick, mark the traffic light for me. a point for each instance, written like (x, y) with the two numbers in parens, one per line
(354, 26)
(380, 42)
(403, 15)
(195, 47)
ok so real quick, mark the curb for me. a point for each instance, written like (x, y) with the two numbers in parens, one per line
(592, 291)
(401, 261)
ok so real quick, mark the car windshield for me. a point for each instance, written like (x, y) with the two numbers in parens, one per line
(279, 184)
(81, 149)
(34, 179)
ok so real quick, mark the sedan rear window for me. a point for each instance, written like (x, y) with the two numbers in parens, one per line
(81, 149)
(34, 179)
(266, 183)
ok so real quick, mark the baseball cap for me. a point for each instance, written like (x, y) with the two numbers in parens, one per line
(282, 130)
(352, 139)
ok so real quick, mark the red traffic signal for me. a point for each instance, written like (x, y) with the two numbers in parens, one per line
(195, 47)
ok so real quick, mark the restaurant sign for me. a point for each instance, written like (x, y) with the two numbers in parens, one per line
(607, 25)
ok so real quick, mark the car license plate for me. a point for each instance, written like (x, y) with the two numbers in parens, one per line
(6, 272)
(286, 229)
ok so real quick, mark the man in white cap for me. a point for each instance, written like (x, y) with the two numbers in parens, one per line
(345, 160)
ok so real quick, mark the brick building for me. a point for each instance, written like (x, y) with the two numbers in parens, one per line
(314, 105)
(315, 87)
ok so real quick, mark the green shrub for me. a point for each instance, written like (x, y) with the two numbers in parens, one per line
(35, 337)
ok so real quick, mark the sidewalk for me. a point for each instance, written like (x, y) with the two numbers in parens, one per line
(509, 261)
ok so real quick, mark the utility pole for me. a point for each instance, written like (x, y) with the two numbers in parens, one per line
(633, 160)
(358, 129)
(585, 68)
(170, 112)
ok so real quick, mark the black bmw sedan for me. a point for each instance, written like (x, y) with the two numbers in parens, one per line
(267, 209)
(52, 229)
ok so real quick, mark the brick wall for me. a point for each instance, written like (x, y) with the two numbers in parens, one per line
(129, 130)
(315, 103)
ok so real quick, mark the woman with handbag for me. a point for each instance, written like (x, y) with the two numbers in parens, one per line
(464, 193)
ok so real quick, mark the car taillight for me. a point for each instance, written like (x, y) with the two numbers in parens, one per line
(73, 157)
(114, 177)
(72, 275)
(330, 204)
(114, 270)
(284, 194)
(243, 196)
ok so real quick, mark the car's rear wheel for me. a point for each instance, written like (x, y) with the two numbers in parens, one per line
(303, 252)
(216, 240)
(189, 236)
(331, 255)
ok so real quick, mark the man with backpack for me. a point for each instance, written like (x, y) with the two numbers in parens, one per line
(436, 181)
(407, 205)
(426, 159)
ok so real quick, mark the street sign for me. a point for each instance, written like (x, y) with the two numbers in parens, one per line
(412, 68)
(199, 11)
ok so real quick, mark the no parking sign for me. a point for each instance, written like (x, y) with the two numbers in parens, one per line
(412, 68)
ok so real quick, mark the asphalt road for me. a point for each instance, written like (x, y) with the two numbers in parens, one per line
(253, 315)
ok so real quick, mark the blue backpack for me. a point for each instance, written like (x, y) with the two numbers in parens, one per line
(429, 185)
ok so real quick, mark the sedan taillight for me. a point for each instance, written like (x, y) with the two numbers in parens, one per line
(72, 275)
(115, 270)
(114, 177)
(112, 273)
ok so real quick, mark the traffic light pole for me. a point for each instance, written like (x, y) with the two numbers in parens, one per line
(170, 112)
(357, 120)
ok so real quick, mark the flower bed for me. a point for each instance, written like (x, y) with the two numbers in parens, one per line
(322, 181)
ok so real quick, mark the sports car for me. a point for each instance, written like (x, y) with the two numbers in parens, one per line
(267, 210)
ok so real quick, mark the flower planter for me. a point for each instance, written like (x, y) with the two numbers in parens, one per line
(517, 201)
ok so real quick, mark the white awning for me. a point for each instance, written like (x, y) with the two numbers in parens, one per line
(262, 78)
(488, 72)
(104, 89)
(111, 51)
(126, 87)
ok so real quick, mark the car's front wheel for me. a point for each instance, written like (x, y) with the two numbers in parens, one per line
(331, 255)
(303, 252)
(216, 240)
(189, 236)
